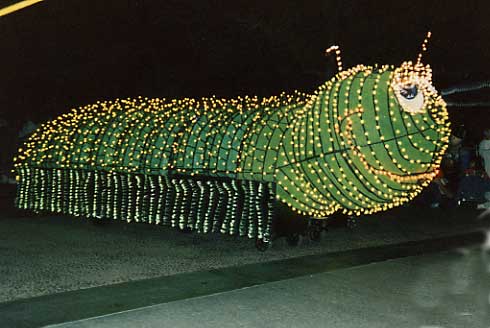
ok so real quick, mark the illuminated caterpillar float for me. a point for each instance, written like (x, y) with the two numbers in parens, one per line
(367, 140)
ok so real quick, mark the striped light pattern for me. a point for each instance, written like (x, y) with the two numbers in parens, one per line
(17, 6)
(354, 145)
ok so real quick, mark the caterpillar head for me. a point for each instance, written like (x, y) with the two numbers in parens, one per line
(395, 136)
(370, 139)
(411, 120)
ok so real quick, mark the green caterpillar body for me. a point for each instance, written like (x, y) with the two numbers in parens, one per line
(369, 139)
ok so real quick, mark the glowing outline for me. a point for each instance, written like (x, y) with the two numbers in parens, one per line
(17, 6)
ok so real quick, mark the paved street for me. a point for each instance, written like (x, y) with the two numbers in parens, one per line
(448, 289)
(58, 269)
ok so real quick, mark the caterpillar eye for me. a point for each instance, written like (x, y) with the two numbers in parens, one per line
(409, 92)
(410, 98)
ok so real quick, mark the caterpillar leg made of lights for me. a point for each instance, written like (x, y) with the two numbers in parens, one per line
(367, 140)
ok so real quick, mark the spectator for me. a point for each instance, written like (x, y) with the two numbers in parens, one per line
(27, 129)
(484, 151)
(455, 162)
(7, 134)
(457, 174)
(457, 158)
(473, 185)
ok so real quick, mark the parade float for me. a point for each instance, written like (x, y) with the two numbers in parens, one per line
(369, 139)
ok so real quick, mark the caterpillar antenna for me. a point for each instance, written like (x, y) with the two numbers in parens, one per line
(424, 47)
(338, 58)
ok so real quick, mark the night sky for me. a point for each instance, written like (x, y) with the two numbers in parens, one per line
(61, 54)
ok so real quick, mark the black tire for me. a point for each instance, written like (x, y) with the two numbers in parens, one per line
(314, 232)
(293, 239)
(98, 222)
(351, 223)
(261, 245)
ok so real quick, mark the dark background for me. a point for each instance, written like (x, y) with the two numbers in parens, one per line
(61, 54)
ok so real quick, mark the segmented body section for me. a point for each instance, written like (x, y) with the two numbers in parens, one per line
(211, 137)
(206, 165)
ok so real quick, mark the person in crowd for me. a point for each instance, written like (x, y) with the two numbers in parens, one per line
(438, 191)
(27, 129)
(457, 158)
(446, 186)
(7, 135)
(484, 151)
(473, 185)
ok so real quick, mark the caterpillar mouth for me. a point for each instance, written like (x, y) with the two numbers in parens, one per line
(407, 178)
(401, 178)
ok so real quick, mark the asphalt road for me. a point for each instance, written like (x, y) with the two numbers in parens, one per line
(448, 289)
(56, 268)
(41, 255)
